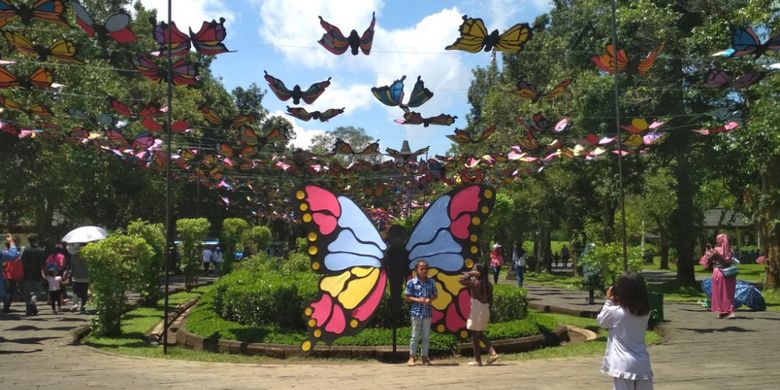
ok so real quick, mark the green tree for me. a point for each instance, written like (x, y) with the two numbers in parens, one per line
(232, 230)
(191, 232)
(658, 202)
(257, 238)
(151, 270)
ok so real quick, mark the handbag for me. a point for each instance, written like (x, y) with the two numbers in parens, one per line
(13, 270)
(732, 270)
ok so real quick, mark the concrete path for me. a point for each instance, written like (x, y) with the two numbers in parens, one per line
(701, 352)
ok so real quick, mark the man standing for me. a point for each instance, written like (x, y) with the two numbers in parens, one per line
(565, 255)
(206, 255)
(34, 263)
(79, 274)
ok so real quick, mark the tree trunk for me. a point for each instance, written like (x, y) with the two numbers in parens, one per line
(683, 219)
(768, 229)
(546, 251)
(663, 243)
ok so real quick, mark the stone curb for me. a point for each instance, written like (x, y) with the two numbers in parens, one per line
(562, 310)
(154, 335)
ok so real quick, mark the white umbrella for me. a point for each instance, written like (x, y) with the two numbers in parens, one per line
(85, 234)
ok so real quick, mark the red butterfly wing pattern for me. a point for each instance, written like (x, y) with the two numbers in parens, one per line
(367, 39)
(333, 40)
(299, 112)
(169, 35)
(278, 88)
(208, 40)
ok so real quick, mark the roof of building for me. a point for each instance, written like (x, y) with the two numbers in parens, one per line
(725, 218)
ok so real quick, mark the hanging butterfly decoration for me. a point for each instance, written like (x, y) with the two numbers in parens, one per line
(724, 128)
(226, 123)
(207, 41)
(116, 27)
(63, 49)
(405, 155)
(639, 125)
(183, 73)
(42, 10)
(474, 37)
(297, 94)
(745, 41)
(341, 147)
(36, 109)
(465, 137)
(40, 78)
(335, 42)
(415, 118)
(606, 61)
(79, 115)
(393, 94)
(527, 90)
(302, 114)
(348, 251)
(529, 141)
(716, 78)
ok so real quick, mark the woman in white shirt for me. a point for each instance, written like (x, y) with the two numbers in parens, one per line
(625, 314)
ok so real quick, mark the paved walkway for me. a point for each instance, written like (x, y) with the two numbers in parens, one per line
(700, 352)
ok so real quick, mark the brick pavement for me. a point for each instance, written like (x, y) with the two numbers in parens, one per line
(700, 352)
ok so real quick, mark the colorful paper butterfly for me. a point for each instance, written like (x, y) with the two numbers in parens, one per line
(335, 42)
(348, 251)
(745, 41)
(606, 61)
(406, 156)
(117, 26)
(41, 78)
(716, 78)
(99, 120)
(393, 94)
(342, 147)
(527, 90)
(42, 10)
(639, 125)
(183, 73)
(302, 114)
(474, 37)
(62, 49)
(464, 137)
(284, 94)
(228, 123)
(208, 40)
(415, 118)
(36, 109)
(725, 128)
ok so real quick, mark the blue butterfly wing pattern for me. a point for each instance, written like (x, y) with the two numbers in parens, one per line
(447, 237)
(744, 41)
(390, 95)
(420, 94)
(345, 247)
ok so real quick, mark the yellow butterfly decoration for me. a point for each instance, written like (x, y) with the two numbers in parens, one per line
(474, 37)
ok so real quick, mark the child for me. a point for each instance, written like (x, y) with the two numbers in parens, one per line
(481, 298)
(55, 288)
(420, 291)
(625, 314)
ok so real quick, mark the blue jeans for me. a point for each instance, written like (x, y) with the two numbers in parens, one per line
(519, 271)
(421, 327)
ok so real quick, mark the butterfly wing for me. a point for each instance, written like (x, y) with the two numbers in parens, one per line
(208, 40)
(83, 18)
(210, 116)
(390, 95)
(411, 118)
(447, 237)
(367, 39)
(42, 78)
(330, 113)
(472, 36)
(715, 78)
(118, 28)
(63, 50)
(314, 91)
(148, 68)
(461, 137)
(277, 86)
(747, 79)
(558, 89)
(347, 250)
(8, 12)
(646, 63)
(606, 61)
(333, 40)
(419, 95)
(370, 150)
(744, 41)
(50, 11)
(513, 39)
(299, 112)
(20, 43)
(441, 119)
(184, 73)
(342, 147)
(487, 133)
(526, 90)
(169, 35)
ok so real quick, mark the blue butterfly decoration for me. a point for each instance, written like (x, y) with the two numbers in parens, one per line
(745, 41)
(393, 94)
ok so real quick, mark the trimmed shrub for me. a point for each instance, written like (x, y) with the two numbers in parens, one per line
(232, 230)
(509, 303)
(603, 264)
(192, 231)
(149, 280)
(257, 238)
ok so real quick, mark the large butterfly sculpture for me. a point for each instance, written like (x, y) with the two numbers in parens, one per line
(606, 61)
(324, 116)
(745, 41)
(183, 73)
(297, 94)
(716, 78)
(43, 10)
(40, 78)
(464, 137)
(62, 49)
(116, 27)
(415, 118)
(393, 94)
(474, 37)
(529, 91)
(207, 41)
(226, 123)
(348, 251)
(335, 42)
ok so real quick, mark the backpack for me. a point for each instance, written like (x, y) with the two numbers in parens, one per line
(14, 269)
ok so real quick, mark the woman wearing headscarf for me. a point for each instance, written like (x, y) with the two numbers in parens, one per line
(723, 288)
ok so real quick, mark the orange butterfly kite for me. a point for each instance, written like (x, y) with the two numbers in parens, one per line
(606, 61)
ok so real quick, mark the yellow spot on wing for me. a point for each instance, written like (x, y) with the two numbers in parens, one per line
(315, 265)
(306, 346)
(488, 194)
(306, 218)
(475, 221)
(312, 250)
(312, 236)
(303, 207)
(309, 311)
(317, 333)
(300, 195)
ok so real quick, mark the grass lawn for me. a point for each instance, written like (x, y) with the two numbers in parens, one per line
(753, 273)
(551, 280)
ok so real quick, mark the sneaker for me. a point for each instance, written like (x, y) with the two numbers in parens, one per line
(731, 316)
(426, 361)
(474, 363)
(492, 358)
(74, 308)
(410, 363)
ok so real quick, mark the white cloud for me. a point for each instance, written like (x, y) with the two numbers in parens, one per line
(303, 137)
(293, 27)
(191, 13)
(506, 13)
(354, 97)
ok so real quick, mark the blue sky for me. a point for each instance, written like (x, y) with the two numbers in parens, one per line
(281, 36)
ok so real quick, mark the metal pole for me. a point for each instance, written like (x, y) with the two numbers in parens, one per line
(620, 141)
(168, 227)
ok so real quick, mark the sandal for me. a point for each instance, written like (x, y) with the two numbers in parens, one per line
(410, 363)
(472, 363)
(426, 361)
(492, 359)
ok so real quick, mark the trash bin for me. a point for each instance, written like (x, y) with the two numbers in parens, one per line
(656, 308)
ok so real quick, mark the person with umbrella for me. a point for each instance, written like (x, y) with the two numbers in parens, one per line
(79, 274)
